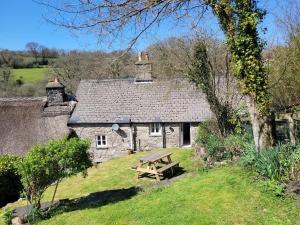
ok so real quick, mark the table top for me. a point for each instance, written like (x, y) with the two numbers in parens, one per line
(154, 157)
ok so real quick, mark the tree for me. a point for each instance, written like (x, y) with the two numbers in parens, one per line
(285, 75)
(49, 163)
(74, 66)
(171, 57)
(238, 19)
(202, 76)
(33, 48)
(45, 53)
(284, 60)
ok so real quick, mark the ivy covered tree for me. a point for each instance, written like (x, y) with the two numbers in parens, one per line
(238, 19)
(203, 77)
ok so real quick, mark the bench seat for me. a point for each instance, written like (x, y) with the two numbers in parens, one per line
(169, 166)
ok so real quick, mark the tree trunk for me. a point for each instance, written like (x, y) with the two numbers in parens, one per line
(261, 127)
(291, 123)
(53, 197)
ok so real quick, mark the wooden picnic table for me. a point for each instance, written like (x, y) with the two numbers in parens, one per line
(151, 164)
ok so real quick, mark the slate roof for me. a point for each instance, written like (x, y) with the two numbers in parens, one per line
(124, 100)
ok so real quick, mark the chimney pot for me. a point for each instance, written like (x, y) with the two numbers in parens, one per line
(146, 56)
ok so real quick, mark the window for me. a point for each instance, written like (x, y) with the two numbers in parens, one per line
(282, 131)
(101, 141)
(155, 129)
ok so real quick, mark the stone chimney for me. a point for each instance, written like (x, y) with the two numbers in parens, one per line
(55, 92)
(143, 68)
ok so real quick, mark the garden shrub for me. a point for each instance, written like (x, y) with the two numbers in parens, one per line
(209, 138)
(205, 129)
(234, 145)
(248, 155)
(217, 147)
(10, 183)
(49, 163)
(278, 164)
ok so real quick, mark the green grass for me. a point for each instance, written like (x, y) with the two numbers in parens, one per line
(225, 195)
(30, 75)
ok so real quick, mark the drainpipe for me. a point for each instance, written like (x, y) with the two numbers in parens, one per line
(131, 136)
(164, 135)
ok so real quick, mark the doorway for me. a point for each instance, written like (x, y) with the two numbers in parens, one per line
(186, 134)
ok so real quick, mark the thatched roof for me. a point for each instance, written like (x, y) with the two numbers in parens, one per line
(25, 122)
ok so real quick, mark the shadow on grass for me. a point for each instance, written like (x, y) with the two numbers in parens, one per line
(93, 200)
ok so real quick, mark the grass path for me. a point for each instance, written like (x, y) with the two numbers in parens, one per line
(225, 195)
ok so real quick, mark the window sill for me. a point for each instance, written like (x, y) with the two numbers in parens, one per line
(155, 135)
(102, 147)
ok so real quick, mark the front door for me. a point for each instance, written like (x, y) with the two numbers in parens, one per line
(185, 134)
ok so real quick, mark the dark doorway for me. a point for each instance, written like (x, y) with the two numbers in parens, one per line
(186, 134)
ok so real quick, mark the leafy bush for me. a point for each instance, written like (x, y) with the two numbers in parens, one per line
(215, 147)
(45, 164)
(10, 183)
(205, 129)
(234, 145)
(209, 137)
(275, 186)
(218, 147)
(278, 164)
(248, 155)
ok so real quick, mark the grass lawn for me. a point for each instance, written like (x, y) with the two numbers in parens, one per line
(225, 195)
(30, 75)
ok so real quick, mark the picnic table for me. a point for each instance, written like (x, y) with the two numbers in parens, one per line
(156, 164)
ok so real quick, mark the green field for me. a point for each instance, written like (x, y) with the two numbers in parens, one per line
(30, 75)
(224, 195)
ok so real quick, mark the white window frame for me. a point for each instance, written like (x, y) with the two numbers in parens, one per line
(100, 139)
(155, 129)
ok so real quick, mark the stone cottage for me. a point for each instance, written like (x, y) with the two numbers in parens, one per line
(138, 113)
(28, 121)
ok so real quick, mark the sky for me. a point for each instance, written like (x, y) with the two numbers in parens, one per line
(22, 21)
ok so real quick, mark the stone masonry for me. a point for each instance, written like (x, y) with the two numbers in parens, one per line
(119, 142)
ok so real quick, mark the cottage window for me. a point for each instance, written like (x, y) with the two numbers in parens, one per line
(101, 141)
(155, 129)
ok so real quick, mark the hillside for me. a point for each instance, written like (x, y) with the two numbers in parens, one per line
(224, 195)
(30, 75)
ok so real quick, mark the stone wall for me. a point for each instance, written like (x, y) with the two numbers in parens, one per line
(194, 131)
(144, 140)
(55, 95)
(118, 142)
(172, 135)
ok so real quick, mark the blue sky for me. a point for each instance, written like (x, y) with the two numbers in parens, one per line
(21, 21)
